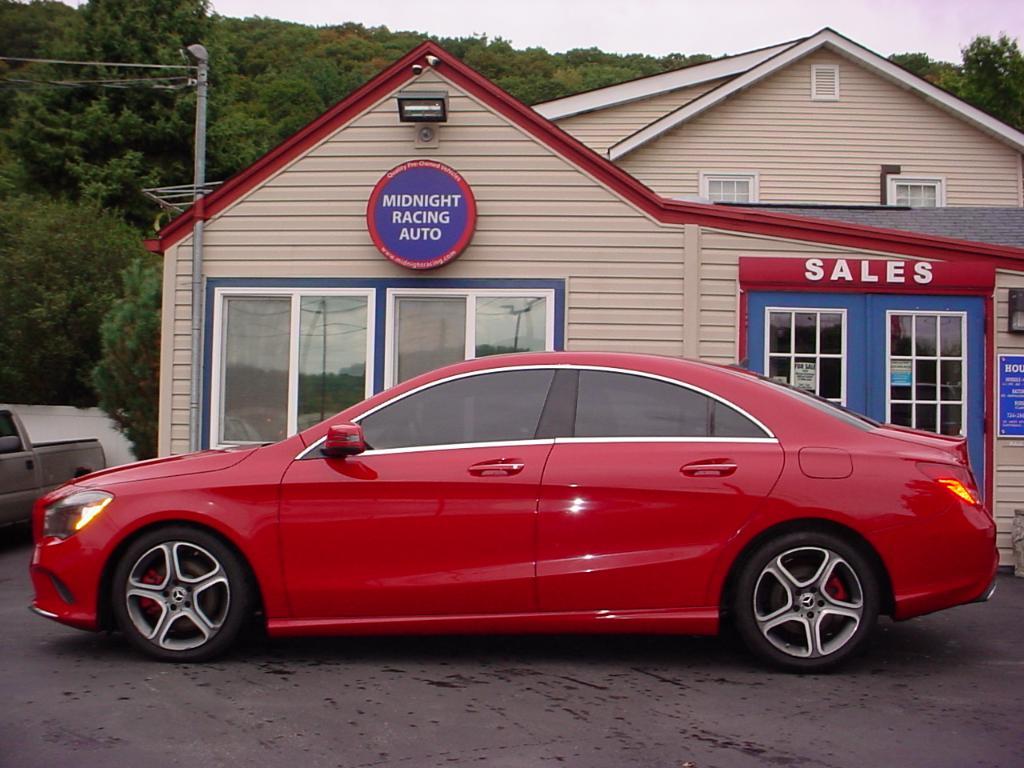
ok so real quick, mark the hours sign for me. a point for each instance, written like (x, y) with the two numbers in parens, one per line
(421, 214)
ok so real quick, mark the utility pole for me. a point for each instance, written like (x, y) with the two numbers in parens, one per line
(202, 57)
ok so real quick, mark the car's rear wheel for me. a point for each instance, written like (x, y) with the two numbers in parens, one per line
(180, 594)
(806, 601)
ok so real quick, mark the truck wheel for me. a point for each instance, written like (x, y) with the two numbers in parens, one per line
(180, 594)
(806, 601)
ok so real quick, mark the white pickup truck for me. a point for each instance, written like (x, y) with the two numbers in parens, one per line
(28, 471)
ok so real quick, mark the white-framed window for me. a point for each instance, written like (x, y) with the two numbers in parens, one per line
(825, 82)
(729, 186)
(806, 349)
(428, 328)
(916, 191)
(925, 367)
(285, 359)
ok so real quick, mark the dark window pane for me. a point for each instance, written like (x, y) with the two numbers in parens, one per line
(925, 331)
(831, 333)
(926, 415)
(901, 414)
(952, 419)
(830, 377)
(950, 336)
(778, 369)
(805, 331)
(780, 337)
(728, 422)
(899, 335)
(899, 393)
(951, 384)
(486, 408)
(622, 405)
(924, 380)
(7, 425)
(332, 356)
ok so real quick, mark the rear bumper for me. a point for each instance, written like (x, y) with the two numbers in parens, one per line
(939, 561)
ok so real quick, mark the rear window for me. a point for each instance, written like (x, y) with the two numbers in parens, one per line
(827, 407)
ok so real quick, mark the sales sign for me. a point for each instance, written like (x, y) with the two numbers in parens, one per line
(1011, 395)
(421, 215)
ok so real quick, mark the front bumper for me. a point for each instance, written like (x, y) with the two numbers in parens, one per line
(66, 577)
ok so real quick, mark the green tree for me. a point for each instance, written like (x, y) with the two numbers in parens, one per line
(105, 144)
(922, 65)
(61, 265)
(128, 375)
(992, 78)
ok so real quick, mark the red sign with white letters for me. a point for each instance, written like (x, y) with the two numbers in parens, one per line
(866, 275)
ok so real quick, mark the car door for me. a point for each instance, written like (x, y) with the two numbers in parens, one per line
(634, 505)
(19, 476)
(437, 518)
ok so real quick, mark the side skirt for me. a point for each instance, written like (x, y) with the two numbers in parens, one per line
(683, 621)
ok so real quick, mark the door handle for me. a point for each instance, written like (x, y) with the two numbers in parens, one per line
(29, 464)
(500, 468)
(708, 469)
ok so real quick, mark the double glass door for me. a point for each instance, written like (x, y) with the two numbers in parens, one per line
(915, 361)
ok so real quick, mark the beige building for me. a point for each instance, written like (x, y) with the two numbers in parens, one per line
(312, 292)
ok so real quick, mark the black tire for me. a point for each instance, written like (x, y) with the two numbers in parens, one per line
(189, 613)
(806, 601)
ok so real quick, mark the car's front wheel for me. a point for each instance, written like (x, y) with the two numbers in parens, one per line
(180, 594)
(806, 601)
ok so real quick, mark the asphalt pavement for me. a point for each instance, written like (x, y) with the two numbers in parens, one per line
(942, 690)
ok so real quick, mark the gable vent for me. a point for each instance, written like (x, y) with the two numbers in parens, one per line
(825, 82)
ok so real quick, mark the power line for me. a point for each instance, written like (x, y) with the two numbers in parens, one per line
(99, 63)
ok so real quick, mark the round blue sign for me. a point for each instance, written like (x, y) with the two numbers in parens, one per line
(421, 214)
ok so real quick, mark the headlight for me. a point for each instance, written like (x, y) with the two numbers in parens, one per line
(72, 513)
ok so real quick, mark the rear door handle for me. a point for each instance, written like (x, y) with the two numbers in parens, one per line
(499, 468)
(708, 469)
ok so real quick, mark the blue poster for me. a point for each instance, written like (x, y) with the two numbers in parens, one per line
(1011, 395)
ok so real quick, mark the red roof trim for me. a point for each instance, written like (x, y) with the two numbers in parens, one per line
(602, 170)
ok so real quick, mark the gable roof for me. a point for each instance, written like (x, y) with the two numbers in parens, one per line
(653, 85)
(585, 159)
(826, 38)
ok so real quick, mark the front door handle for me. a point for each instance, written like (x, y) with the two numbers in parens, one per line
(708, 469)
(29, 464)
(499, 468)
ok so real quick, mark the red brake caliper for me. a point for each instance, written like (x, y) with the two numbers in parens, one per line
(151, 607)
(835, 587)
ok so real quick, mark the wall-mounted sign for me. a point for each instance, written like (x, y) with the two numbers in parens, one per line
(866, 275)
(1011, 395)
(901, 373)
(421, 214)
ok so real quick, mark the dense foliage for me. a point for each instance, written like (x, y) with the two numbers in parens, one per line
(127, 376)
(75, 152)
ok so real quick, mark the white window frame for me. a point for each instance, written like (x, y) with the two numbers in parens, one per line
(844, 356)
(939, 182)
(914, 357)
(753, 177)
(470, 295)
(815, 69)
(217, 356)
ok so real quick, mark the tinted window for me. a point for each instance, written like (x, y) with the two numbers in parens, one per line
(622, 405)
(7, 425)
(486, 408)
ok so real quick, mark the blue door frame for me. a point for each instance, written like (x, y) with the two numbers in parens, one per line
(867, 344)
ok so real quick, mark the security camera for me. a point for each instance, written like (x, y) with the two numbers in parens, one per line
(433, 60)
(417, 69)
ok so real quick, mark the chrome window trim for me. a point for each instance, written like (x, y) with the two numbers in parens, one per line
(769, 437)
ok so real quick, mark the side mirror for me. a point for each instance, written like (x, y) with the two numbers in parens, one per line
(10, 444)
(343, 440)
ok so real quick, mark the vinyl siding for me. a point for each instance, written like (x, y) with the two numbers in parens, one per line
(602, 128)
(830, 151)
(1009, 452)
(538, 217)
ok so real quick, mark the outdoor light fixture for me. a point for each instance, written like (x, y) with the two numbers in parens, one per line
(423, 106)
(1016, 310)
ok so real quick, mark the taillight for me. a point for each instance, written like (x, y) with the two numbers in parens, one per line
(955, 479)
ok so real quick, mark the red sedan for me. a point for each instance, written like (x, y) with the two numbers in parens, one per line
(552, 492)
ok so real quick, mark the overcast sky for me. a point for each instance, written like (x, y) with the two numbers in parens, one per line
(937, 27)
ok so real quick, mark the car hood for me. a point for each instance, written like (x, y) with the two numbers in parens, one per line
(171, 466)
